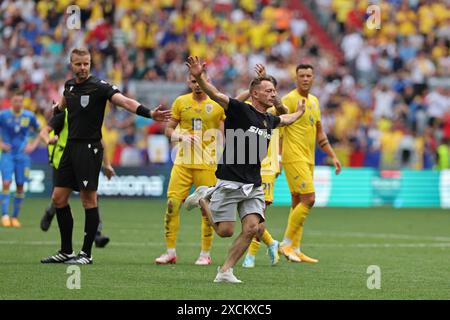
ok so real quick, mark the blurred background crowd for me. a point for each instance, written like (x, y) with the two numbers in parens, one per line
(384, 93)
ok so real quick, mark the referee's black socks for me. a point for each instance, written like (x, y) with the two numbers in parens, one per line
(90, 229)
(65, 223)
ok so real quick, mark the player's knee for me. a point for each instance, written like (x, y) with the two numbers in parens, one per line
(250, 230)
(225, 231)
(89, 202)
(59, 201)
(6, 185)
(295, 199)
(309, 201)
(260, 231)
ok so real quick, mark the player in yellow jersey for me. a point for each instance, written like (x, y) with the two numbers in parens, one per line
(196, 120)
(298, 150)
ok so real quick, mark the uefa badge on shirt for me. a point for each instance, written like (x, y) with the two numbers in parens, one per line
(84, 101)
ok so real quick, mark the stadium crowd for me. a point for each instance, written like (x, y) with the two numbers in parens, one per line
(386, 105)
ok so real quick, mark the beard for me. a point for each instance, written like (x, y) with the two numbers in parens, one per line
(82, 75)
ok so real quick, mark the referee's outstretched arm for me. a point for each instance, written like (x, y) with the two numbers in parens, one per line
(137, 108)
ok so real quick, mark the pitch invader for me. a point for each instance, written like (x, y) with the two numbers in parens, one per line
(16, 125)
(194, 116)
(270, 169)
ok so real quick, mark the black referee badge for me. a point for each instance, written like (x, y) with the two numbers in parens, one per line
(84, 101)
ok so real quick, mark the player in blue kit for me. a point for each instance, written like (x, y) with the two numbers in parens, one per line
(15, 127)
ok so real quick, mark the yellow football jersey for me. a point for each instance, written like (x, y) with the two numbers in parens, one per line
(270, 163)
(202, 119)
(299, 138)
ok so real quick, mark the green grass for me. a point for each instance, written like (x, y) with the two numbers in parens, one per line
(411, 246)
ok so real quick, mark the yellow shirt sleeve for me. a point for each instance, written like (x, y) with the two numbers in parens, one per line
(176, 114)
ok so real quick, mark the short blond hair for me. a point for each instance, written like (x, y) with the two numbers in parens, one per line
(79, 52)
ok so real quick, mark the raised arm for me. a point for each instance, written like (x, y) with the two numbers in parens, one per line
(260, 71)
(198, 70)
(287, 119)
(323, 142)
(135, 107)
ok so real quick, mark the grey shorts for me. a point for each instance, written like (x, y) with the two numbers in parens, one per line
(228, 197)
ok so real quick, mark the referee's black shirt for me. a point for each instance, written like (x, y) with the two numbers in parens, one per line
(86, 102)
(240, 115)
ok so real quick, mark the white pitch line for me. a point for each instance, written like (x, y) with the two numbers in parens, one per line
(377, 235)
(327, 233)
(192, 244)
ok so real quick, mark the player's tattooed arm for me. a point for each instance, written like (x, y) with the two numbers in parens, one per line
(323, 142)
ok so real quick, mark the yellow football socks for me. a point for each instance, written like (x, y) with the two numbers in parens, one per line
(267, 238)
(172, 222)
(301, 212)
(207, 234)
(294, 229)
(254, 247)
(290, 230)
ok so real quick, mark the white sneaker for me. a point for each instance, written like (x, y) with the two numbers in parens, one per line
(203, 261)
(226, 276)
(192, 201)
(166, 258)
(249, 262)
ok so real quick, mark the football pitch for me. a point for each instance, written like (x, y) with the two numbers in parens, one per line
(404, 252)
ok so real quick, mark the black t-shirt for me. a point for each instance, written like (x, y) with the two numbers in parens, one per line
(57, 122)
(86, 104)
(241, 161)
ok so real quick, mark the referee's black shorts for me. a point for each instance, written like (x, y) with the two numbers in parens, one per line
(80, 166)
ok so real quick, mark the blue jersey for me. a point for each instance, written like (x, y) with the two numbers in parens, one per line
(15, 129)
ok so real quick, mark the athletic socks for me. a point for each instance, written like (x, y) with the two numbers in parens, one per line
(18, 199)
(172, 222)
(207, 234)
(90, 229)
(5, 202)
(65, 223)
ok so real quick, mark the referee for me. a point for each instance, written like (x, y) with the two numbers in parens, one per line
(85, 98)
(55, 136)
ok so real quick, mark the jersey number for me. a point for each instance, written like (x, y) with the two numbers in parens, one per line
(266, 187)
(197, 124)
